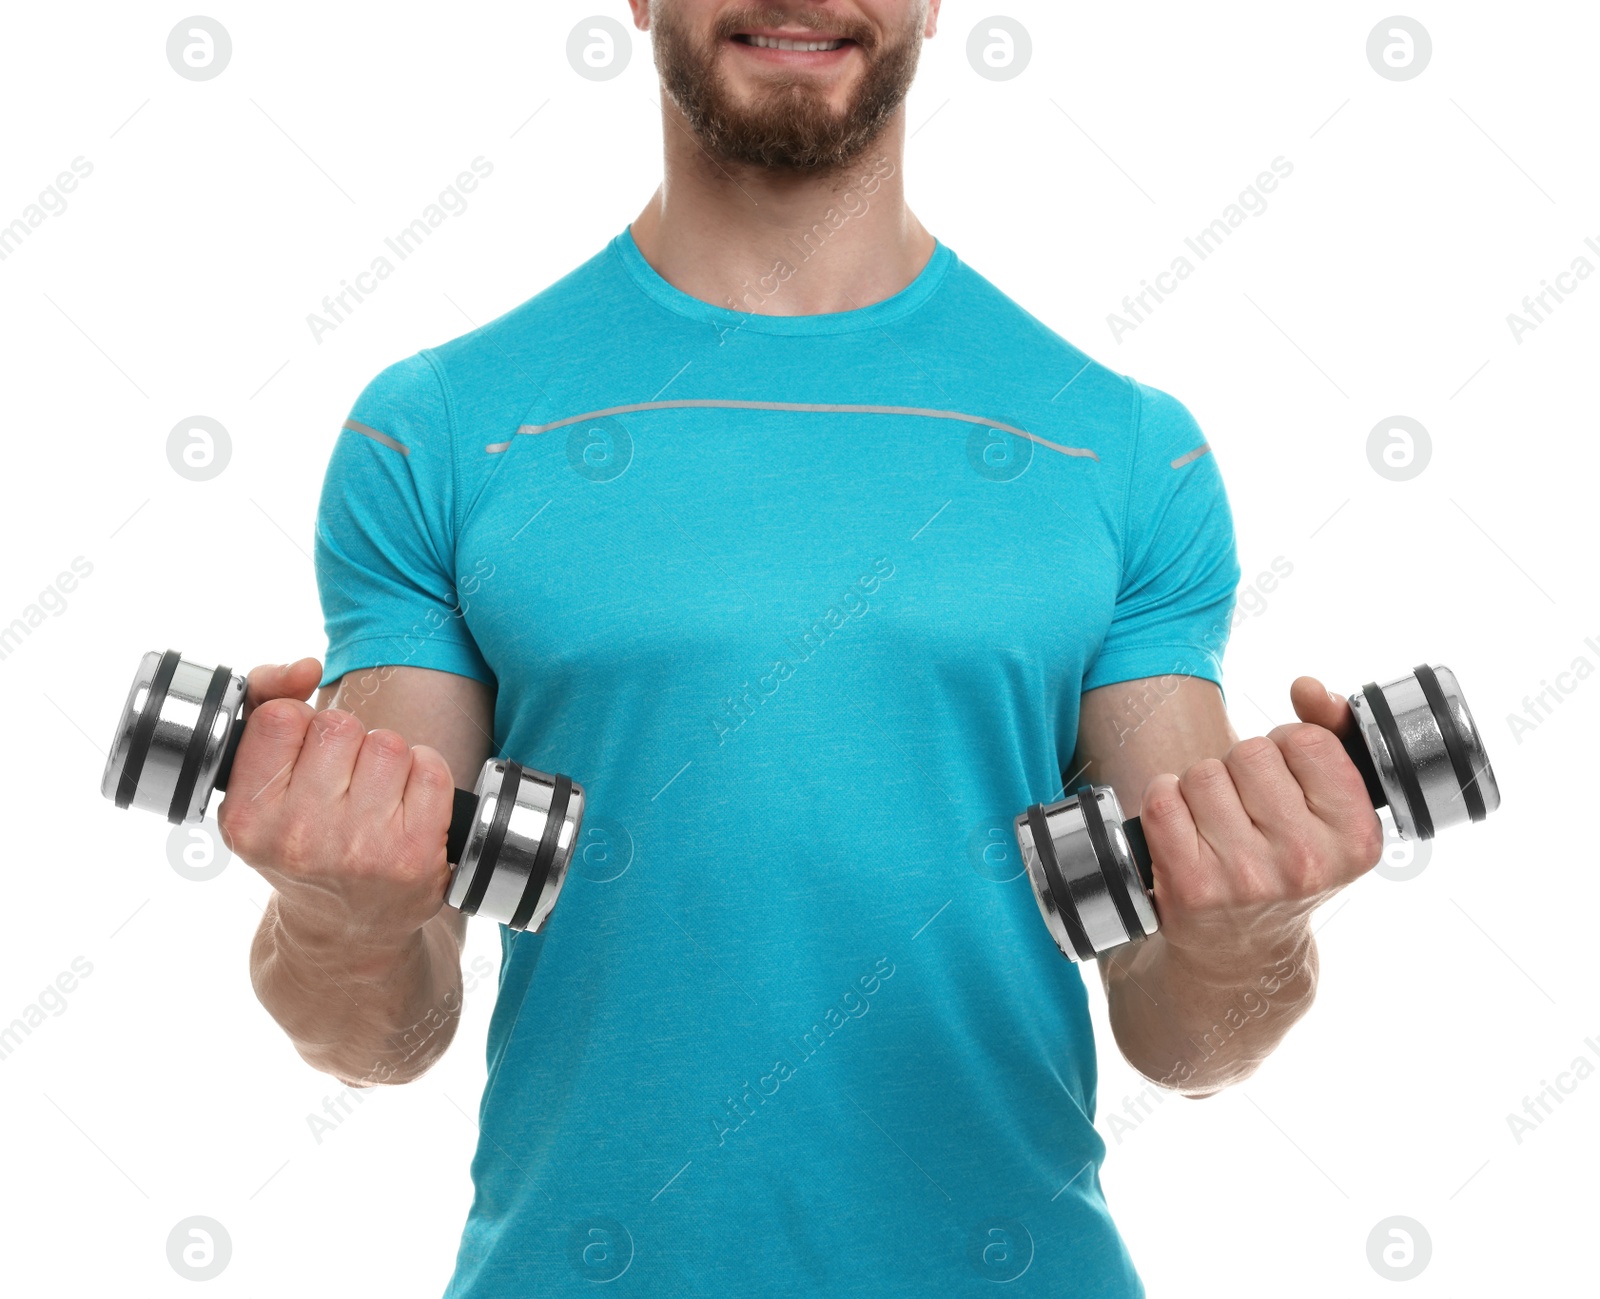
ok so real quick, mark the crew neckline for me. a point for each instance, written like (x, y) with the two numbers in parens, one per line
(675, 300)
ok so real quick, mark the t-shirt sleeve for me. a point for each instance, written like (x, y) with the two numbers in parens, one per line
(1180, 566)
(385, 537)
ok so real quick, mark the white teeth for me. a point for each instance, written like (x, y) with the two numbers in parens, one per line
(782, 43)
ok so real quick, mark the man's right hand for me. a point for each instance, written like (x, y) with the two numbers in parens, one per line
(348, 825)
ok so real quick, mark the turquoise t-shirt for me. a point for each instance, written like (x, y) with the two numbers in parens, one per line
(807, 604)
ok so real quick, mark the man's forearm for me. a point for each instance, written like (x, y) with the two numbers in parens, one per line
(1199, 1026)
(363, 1010)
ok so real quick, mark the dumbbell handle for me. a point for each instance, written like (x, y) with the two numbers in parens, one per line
(461, 818)
(1352, 745)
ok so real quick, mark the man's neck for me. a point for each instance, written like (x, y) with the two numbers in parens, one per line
(775, 243)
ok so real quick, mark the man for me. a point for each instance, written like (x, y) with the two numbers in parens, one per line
(815, 559)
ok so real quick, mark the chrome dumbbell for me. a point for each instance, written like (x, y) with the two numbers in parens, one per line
(510, 840)
(1414, 743)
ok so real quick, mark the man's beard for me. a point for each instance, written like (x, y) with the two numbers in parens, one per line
(789, 126)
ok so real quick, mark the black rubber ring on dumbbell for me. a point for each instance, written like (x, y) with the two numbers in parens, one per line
(494, 838)
(190, 771)
(463, 812)
(144, 731)
(554, 819)
(1045, 850)
(1454, 745)
(1100, 841)
(1409, 786)
(1139, 847)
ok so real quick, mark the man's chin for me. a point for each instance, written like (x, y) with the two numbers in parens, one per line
(796, 155)
(772, 104)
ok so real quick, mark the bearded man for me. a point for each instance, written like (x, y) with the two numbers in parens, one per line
(815, 559)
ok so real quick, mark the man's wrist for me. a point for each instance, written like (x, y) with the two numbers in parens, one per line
(338, 944)
(1243, 964)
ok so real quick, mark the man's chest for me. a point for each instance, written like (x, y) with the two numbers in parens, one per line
(697, 541)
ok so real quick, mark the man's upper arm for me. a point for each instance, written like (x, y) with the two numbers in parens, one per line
(1151, 702)
(392, 588)
(1133, 731)
(453, 714)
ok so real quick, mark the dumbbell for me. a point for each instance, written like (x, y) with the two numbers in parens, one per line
(1413, 741)
(510, 842)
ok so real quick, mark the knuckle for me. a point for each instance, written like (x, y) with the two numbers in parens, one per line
(1207, 774)
(304, 843)
(260, 678)
(1162, 801)
(406, 852)
(281, 719)
(1303, 863)
(1254, 888)
(337, 725)
(1258, 751)
(1315, 742)
(429, 775)
(1368, 840)
(369, 852)
(233, 824)
(420, 853)
(1192, 893)
(385, 744)
(428, 809)
(1279, 734)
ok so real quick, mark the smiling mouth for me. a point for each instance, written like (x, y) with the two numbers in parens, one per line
(790, 43)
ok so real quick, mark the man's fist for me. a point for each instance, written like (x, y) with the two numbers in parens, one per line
(348, 825)
(1247, 846)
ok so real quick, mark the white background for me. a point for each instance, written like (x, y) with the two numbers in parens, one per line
(1378, 282)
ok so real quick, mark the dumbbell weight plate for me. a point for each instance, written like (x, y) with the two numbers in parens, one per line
(1426, 750)
(166, 755)
(525, 824)
(1109, 905)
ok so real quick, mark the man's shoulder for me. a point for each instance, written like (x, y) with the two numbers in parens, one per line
(581, 300)
(1000, 346)
(478, 384)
